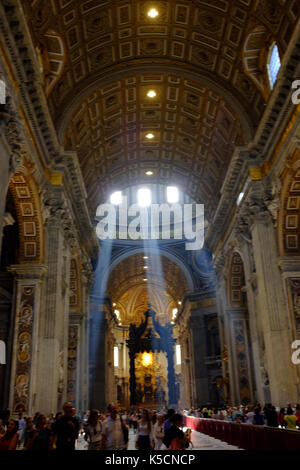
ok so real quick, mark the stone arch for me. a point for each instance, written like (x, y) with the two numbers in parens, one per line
(161, 251)
(31, 232)
(238, 330)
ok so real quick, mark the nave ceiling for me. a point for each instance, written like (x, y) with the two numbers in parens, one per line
(99, 59)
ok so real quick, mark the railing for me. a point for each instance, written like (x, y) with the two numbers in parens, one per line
(246, 436)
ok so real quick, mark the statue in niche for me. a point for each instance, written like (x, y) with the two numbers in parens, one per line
(272, 199)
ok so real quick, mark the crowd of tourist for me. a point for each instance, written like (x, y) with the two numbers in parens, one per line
(258, 415)
(152, 430)
(102, 431)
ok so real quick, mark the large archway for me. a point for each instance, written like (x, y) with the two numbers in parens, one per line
(22, 255)
(135, 282)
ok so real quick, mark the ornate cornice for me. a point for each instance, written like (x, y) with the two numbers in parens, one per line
(29, 272)
(20, 51)
(236, 176)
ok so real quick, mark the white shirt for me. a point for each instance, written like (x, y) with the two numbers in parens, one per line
(144, 430)
(249, 416)
(158, 429)
(94, 437)
(113, 432)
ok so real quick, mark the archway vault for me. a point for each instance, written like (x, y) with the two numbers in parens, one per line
(132, 287)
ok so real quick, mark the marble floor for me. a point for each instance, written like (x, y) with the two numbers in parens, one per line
(199, 441)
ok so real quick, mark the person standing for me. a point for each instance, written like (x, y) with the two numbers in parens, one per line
(134, 420)
(21, 427)
(40, 438)
(258, 418)
(298, 414)
(249, 415)
(271, 416)
(9, 440)
(66, 429)
(158, 432)
(290, 419)
(168, 419)
(144, 439)
(27, 431)
(93, 431)
(51, 421)
(174, 437)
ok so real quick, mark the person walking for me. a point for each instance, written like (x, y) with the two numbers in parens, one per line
(93, 431)
(134, 420)
(113, 431)
(66, 429)
(144, 439)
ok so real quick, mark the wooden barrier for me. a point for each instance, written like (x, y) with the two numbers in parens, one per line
(246, 436)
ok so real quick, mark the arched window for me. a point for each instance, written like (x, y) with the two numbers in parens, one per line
(274, 64)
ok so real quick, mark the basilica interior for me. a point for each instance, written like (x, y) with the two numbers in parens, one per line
(100, 99)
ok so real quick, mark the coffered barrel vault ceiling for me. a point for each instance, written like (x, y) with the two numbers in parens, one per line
(99, 57)
(194, 135)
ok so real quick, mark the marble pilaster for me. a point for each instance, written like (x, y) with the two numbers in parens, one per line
(199, 369)
(239, 357)
(98, 326)
(54, 324)
(273, 311)
(24, 378)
